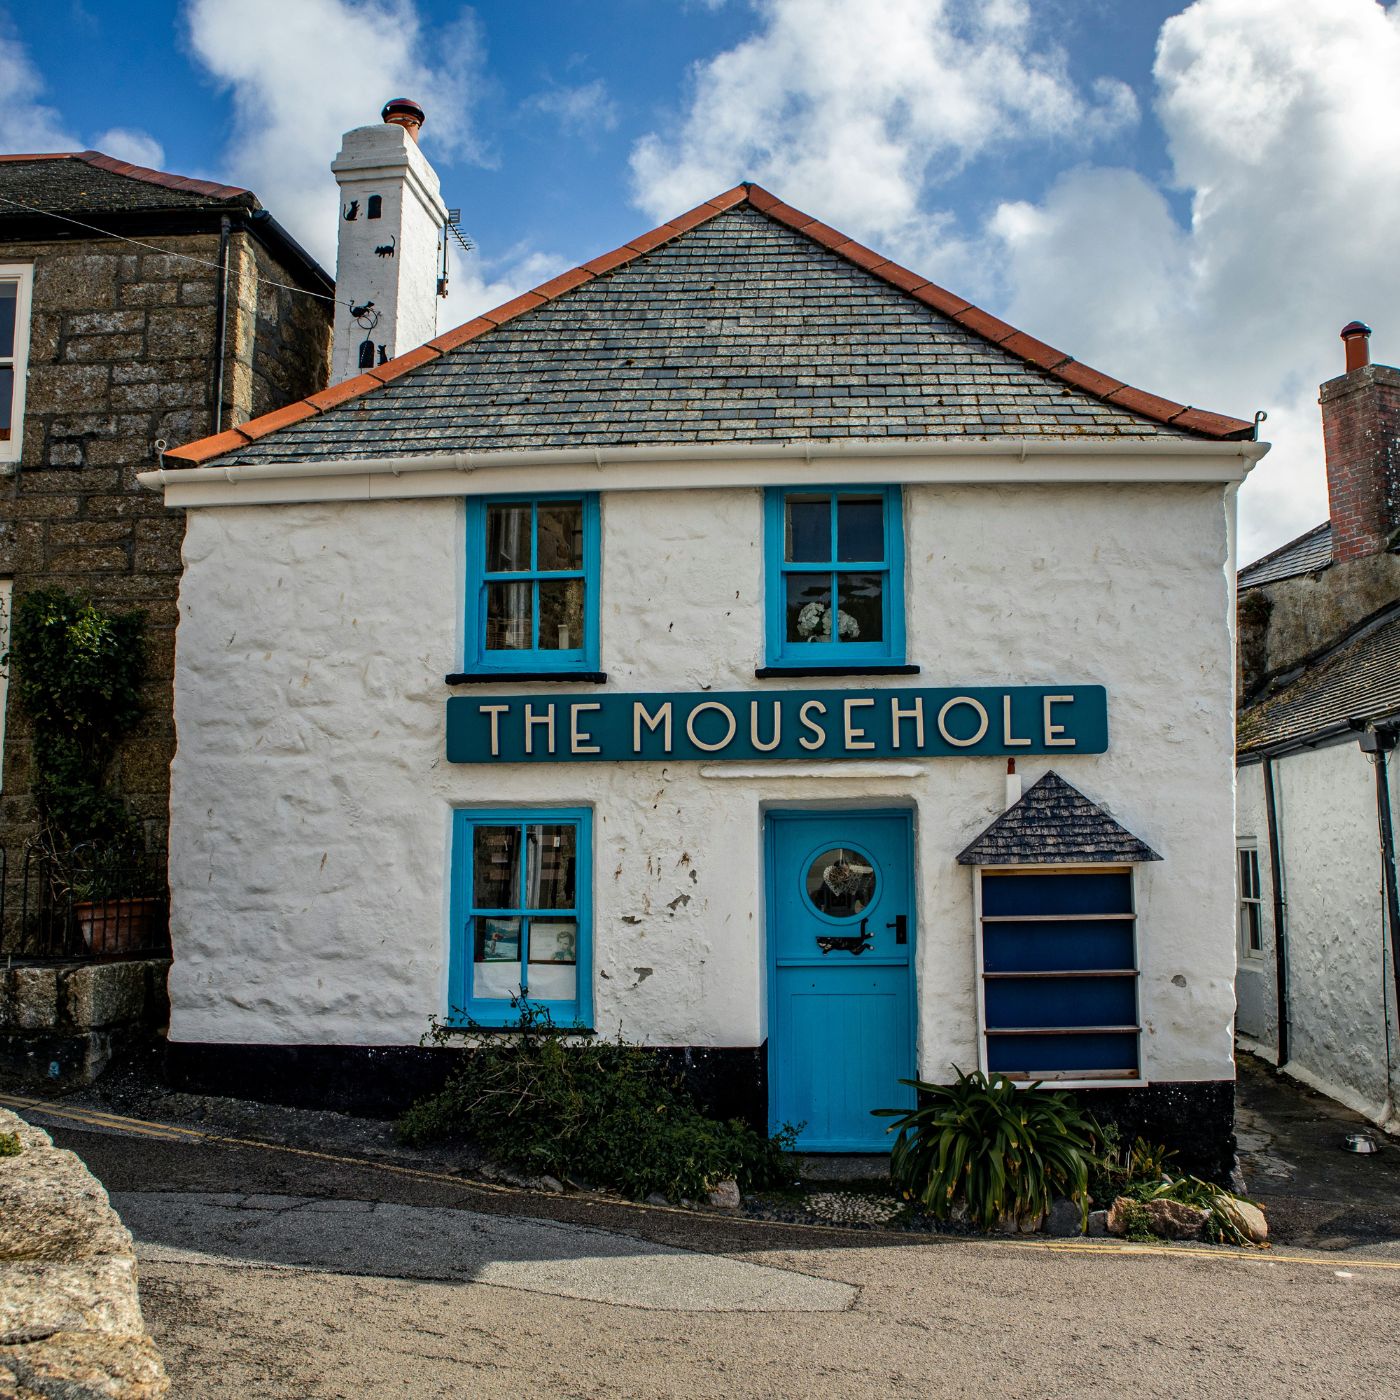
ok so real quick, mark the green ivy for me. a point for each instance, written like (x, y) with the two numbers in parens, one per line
(602, 1111)
(76, 671)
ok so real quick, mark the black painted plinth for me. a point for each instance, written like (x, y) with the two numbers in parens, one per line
(1195, 1119)
(381, 1081)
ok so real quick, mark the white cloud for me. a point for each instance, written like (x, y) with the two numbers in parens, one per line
(134, 146)
(26, 124)
(303, 73)
(1283, 125)
(476, 284)
(29, 125)
(861, 111)
(1283, 122)
(585, 110)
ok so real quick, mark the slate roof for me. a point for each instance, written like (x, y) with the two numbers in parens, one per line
(1055, 824)
(75, 182)
(1305, 555)
(1359, 680)
(742, 321)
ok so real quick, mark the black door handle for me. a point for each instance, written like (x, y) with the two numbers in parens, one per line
(900, 925)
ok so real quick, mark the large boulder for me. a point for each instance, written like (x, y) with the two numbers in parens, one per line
(1246, 1217)
(1170, 1220)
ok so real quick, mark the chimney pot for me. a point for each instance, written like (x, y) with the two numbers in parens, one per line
(1356, 335)
(404, 112)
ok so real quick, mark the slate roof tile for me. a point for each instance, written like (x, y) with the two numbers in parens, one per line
(1358, 681)
(650, 344)
(1055, 824)
(1305, 555)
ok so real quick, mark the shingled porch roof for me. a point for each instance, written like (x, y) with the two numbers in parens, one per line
(1055, 824)
(743, 320)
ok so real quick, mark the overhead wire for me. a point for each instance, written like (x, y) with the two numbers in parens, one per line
(165, 252)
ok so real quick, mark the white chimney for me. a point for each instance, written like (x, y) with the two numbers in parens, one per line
(391, 223)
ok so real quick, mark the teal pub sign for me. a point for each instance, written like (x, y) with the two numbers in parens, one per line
(708, 726)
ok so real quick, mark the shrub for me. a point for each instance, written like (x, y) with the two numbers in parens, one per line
(77, 673)
(1004, 1151)
(10, 1145)
(604, 1112)
(1116, 1168)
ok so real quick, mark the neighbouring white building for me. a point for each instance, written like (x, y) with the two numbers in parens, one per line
(653, 648)
(1320, 712)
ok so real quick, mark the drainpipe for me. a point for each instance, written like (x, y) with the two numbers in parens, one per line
(221, 323)
(1280, 912)
(1380, 741)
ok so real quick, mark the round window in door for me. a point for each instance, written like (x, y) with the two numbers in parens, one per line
(840, 883)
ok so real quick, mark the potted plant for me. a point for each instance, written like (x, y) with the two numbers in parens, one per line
(76, 672)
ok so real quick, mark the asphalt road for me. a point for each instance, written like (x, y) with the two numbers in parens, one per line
(272, 1272)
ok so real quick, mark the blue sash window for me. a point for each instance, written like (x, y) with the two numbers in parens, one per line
(835, 576)
(522, 915)
(532, 583)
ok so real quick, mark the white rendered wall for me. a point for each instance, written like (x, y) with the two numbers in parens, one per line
(385, 160)
(1342, 1014)
(311, 798)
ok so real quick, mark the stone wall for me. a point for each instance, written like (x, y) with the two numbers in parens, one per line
(61, 1023)
(70, 1317)
(122, 353)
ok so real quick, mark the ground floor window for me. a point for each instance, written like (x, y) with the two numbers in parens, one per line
(1251, 904)
(1059, 973)
(521, 915)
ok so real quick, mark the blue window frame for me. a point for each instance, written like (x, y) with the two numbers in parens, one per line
(522, 915)
(1059, 974)
(532, 583)
(835, 575)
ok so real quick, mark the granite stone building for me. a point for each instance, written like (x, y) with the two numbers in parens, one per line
(137, 308)
(652, 648)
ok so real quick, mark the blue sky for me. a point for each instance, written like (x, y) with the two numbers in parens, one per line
(1188, 196)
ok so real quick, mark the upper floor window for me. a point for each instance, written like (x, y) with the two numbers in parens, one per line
(16, 280)
(1251, 904)
(835, 576)
(532, 583)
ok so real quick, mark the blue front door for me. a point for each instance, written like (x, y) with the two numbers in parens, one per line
(841, 940)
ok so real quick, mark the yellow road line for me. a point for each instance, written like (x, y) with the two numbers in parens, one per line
(171, 1132)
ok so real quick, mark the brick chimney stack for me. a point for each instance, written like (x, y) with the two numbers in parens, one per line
(1361, 434)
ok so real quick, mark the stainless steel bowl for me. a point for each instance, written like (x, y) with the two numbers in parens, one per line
(1361, 1142)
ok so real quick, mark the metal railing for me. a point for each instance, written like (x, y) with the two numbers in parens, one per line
(89, 904)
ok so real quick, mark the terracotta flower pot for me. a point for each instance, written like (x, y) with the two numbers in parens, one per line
(118, 925)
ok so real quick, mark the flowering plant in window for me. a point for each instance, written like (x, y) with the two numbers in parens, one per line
(814, 624)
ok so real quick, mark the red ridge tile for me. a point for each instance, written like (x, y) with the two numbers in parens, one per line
(401, 364)
(862, 256)
(278, 418)
(1140, 401)
(824, 234)
(653, 238)
(1201, 420)
(565, 282)
(1036, 351)
(216, 445)
(1092, 381)
(339, 393)
(459, 335)
(526, 301)
(605, 262)
(942, 300)
(986, 325)
(729, 198)
(786, 214)
(901, 277)
(699, 215)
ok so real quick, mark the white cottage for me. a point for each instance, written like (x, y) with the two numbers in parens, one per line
(653, 646)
